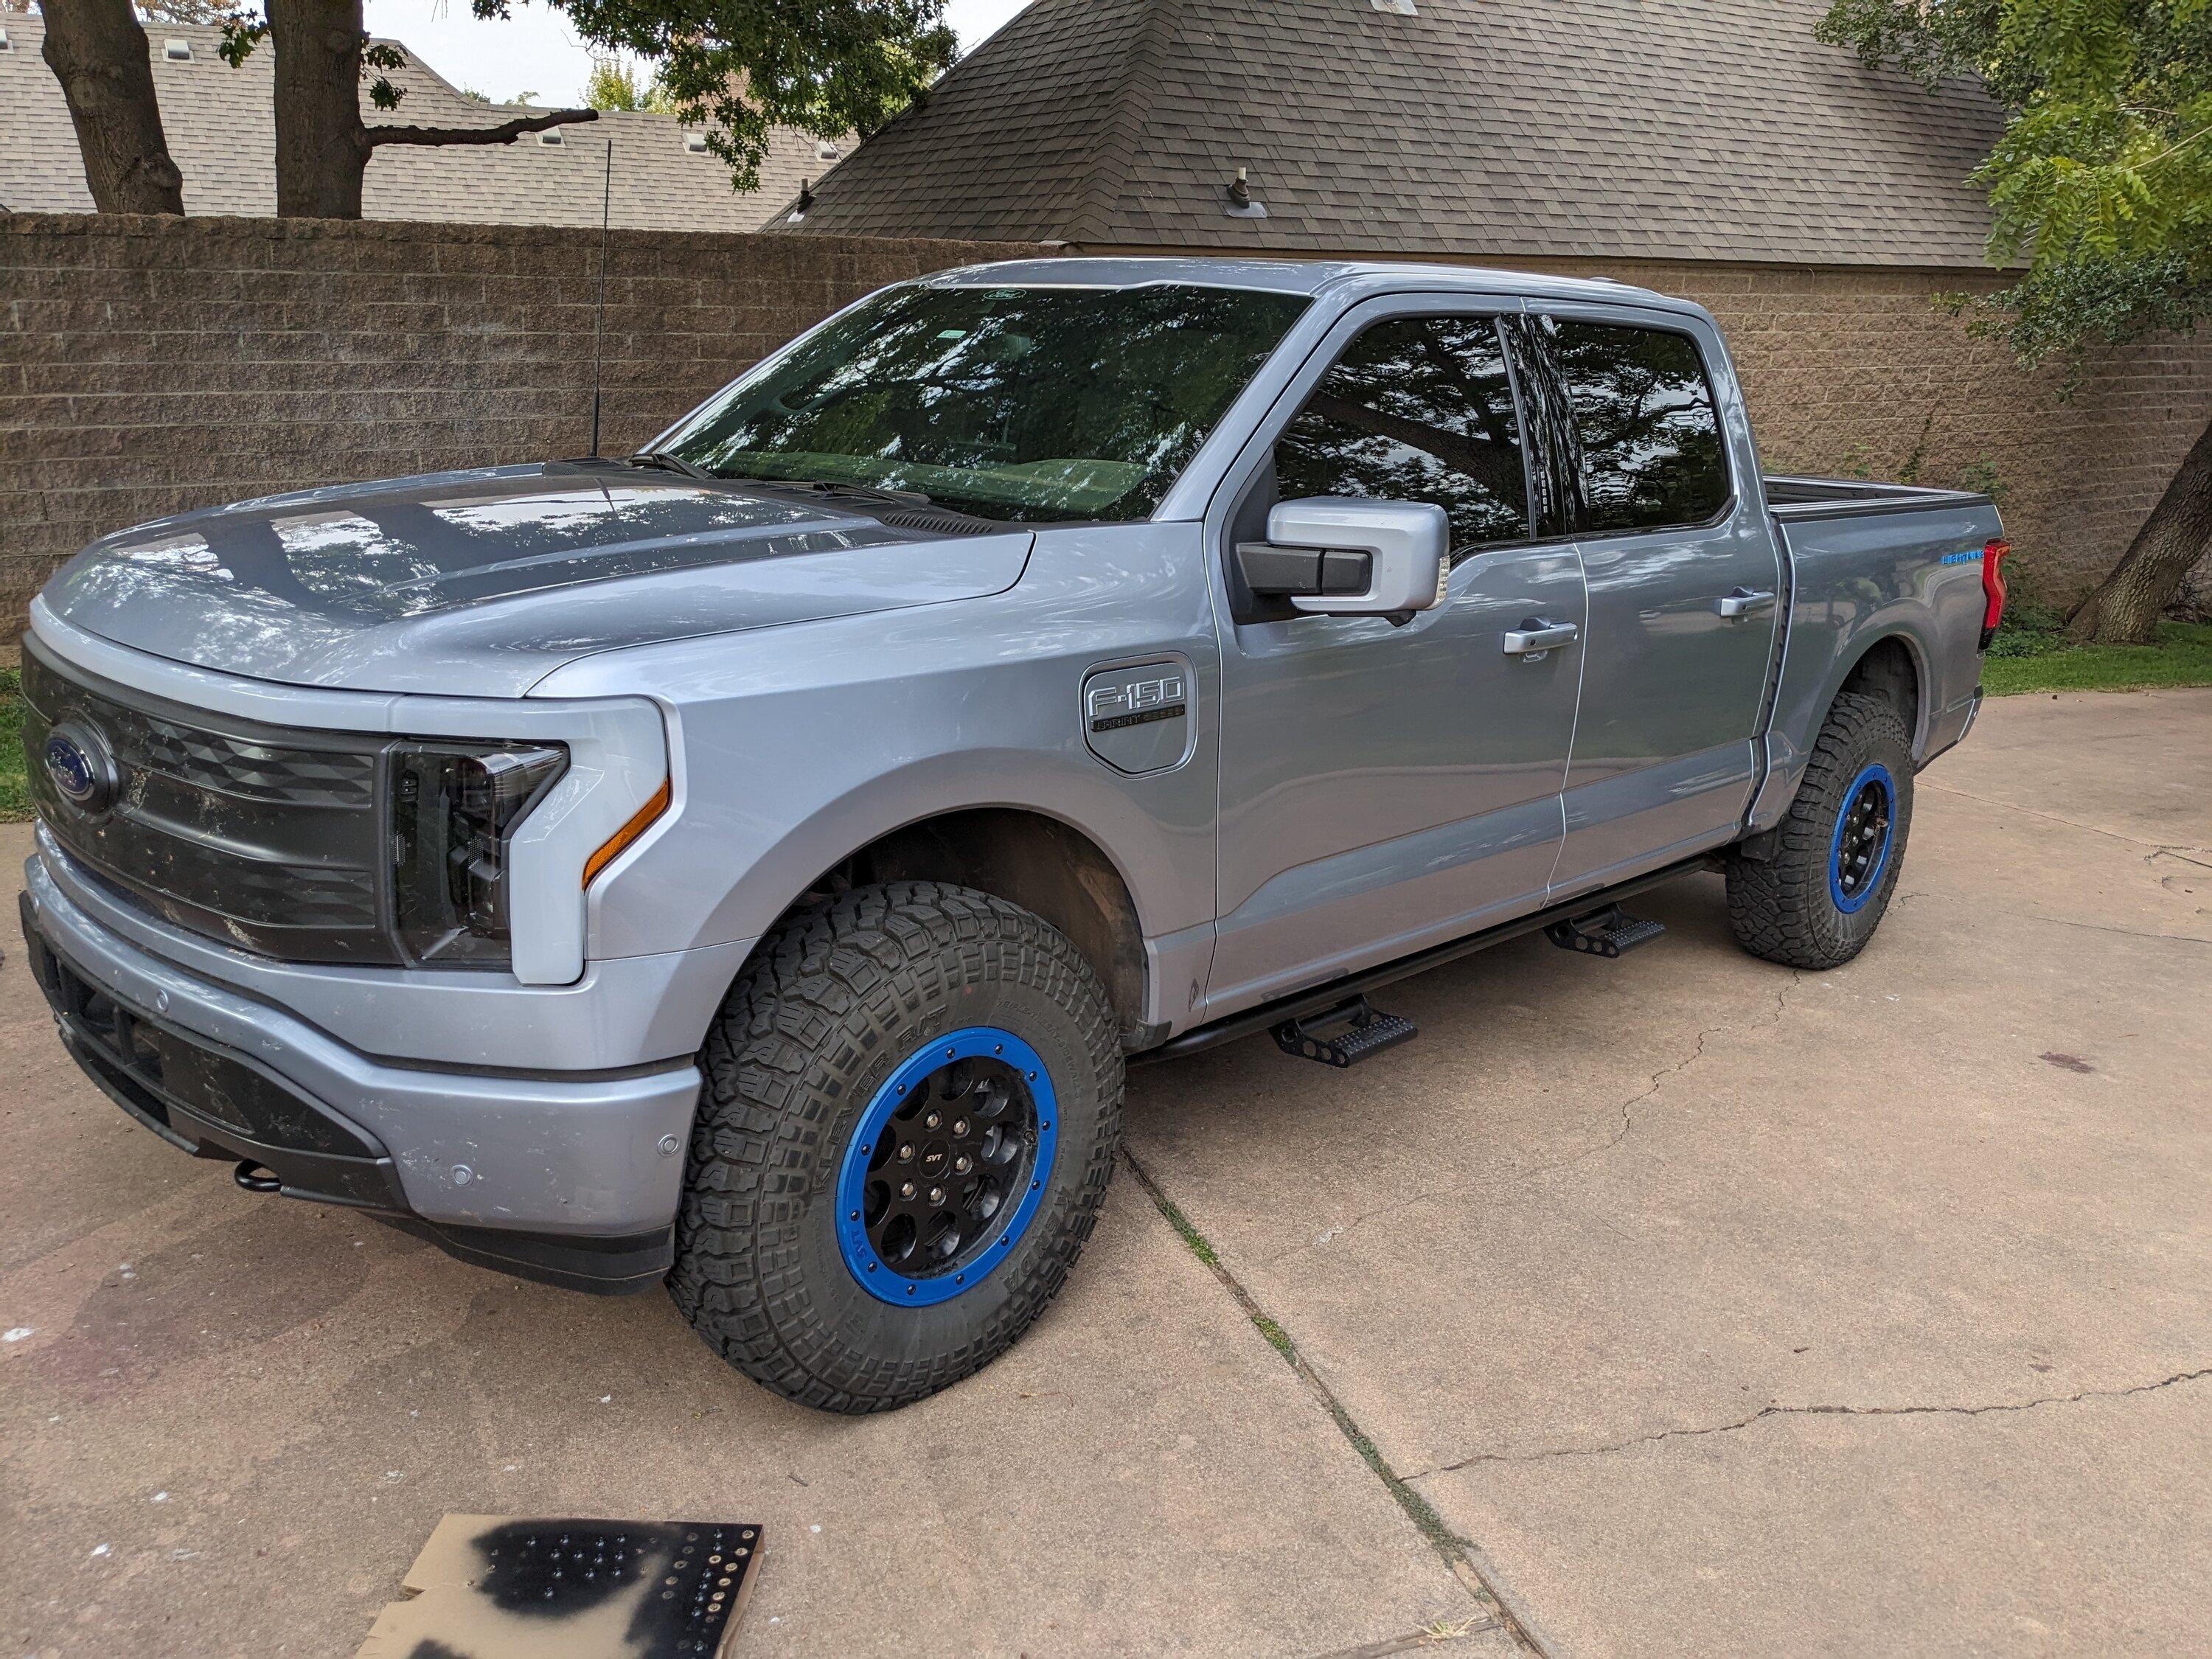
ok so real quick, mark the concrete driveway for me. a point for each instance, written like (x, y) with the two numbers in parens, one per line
(1680, 1304)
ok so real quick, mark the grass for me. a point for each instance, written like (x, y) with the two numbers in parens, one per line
(15, 796)
(2031, 655)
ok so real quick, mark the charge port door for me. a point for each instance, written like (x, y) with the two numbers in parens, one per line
(1137, 717)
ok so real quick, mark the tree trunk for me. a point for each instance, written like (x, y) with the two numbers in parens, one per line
(2125, 607)
(322, 144)
(98, 51)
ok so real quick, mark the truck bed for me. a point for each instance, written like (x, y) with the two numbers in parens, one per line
(1864, 562)
(1796, 499)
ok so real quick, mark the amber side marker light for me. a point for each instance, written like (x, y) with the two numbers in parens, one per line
(621, 841)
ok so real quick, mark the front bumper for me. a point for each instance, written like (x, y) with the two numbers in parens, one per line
(569, 1177)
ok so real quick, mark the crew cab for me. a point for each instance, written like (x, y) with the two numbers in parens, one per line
(751, 863)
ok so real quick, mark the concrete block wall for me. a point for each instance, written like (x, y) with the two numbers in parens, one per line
(148, 365)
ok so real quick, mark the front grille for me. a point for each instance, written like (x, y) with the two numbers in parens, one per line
(268, 839)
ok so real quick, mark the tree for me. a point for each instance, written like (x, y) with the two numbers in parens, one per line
(735, 67)
(323, 145)
(613, 86)
(2101, 184)
(97, 51)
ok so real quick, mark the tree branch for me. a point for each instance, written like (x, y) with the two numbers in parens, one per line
(505, 133)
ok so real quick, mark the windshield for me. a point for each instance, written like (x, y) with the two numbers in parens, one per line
(1007, 402)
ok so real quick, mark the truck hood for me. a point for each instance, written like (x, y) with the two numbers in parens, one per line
(480, 583)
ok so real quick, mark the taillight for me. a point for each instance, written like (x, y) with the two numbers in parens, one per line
(1993, 588)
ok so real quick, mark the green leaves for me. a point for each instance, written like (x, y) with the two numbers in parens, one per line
(739, 67)
(2101, 183)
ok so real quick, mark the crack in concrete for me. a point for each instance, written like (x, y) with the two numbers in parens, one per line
(1626, 1109)
(1766, 1411)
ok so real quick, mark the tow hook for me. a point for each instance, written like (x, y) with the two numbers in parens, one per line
(256, 1177)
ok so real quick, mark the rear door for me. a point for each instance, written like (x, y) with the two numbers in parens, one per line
(1683, 576)
(1384, 786)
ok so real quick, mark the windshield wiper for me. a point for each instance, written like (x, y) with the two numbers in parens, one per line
(668, 462)
(861, 492)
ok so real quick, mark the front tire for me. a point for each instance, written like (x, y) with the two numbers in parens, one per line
(1810, 892)
(912, 1103)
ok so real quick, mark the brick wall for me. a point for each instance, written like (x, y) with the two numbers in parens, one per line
(148, 365)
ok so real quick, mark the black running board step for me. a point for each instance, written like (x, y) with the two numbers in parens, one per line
(1368, 1032)
(1605, 933)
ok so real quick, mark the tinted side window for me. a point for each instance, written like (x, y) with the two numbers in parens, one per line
(1418, 408)
(1646, 423)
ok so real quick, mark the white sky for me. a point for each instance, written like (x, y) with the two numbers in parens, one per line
(536, 52)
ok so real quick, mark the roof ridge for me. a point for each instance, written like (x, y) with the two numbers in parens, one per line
(1132, 107)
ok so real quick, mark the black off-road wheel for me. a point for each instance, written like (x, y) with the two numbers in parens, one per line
(912, 1104)
(1810, 892)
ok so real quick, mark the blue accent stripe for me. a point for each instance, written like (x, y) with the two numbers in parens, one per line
(985, 1041)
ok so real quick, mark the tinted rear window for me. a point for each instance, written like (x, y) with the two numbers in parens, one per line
(1646, 423)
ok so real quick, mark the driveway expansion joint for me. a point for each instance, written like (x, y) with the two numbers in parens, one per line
(1455, 1551)
(1982, 907)
(2183, 849)
(1767, 1412)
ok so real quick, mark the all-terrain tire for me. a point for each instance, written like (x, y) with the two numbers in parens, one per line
(843, 996)
(1786, 899)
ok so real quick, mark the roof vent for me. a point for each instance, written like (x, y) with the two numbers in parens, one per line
(177, 49)
(1242, 202)
(551, 136)
(696, 143)
(1395, 8)
(6, 44)
(824, 150)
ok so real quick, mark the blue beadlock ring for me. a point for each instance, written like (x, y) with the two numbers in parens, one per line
(869, 1271)
(1851, 903)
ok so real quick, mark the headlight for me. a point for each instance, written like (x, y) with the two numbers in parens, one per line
(453, 807)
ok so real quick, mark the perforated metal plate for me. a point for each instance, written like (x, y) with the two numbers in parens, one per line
(489, 1588)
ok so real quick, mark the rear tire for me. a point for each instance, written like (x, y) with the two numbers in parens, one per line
(796, 1259)
(1810, 892)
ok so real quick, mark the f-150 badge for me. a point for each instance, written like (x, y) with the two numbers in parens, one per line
(1136, 702)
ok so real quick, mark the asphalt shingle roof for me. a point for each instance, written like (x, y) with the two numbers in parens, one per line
(221, 131)
(1710, 130)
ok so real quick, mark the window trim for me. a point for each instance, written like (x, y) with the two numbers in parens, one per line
(1496, 317)
(1731, 499)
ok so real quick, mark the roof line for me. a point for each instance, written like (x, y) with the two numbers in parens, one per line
(1132, 108)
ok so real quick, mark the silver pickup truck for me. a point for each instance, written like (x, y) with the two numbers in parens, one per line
(750, 864)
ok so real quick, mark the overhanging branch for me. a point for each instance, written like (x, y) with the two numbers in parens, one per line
(505, 133)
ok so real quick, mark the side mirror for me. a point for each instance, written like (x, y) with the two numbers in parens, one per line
(1344, 557)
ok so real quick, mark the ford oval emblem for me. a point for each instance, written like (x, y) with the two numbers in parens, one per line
(80, 767)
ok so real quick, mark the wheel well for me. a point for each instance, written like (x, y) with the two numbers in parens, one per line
(1889, 671)
(1039, 863)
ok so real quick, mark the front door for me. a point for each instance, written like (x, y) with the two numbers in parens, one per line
(1683, 581)
(1384, 787)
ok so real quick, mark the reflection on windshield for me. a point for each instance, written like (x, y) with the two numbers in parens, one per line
(1009, 402)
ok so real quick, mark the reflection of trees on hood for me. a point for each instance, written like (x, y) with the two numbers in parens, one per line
(1644, 418)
